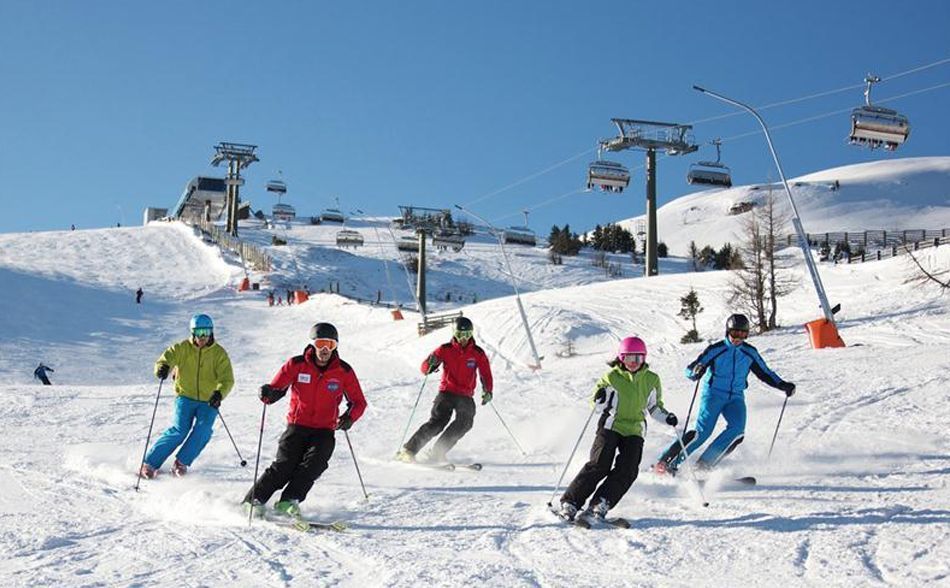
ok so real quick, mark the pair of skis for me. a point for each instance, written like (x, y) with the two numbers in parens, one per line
(674, 450)
(585, 521)
(448, 467)
(306, 525)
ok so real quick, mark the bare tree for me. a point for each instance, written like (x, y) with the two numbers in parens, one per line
(923, 276)
(763, 279)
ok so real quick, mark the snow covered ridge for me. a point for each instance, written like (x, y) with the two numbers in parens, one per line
(912, 193)
(855, 493)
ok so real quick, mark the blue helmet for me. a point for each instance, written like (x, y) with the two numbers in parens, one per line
(201, 321)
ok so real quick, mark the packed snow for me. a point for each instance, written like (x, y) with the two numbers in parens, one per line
(855, 492)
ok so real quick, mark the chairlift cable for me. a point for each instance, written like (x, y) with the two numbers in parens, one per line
(727, 115)
(822, 94)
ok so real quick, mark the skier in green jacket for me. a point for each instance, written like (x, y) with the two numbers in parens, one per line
(625, 394)
(203, 379)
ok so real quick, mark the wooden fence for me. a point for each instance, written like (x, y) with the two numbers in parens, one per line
(869, 239)
(876, 244)
(251, 254)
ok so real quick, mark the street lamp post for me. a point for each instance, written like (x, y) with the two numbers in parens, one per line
(832, 339)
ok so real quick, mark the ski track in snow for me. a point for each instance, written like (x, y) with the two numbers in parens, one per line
(855, 493)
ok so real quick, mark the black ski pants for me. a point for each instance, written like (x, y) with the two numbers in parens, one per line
(303, 453)
(442, 408)
(619, 478)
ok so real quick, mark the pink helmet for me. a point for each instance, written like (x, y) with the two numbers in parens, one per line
(632, 345)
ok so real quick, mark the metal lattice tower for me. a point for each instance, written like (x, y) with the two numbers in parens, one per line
(238, 156)
(649, 136)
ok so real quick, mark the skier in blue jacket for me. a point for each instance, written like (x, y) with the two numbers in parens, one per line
(724, 367)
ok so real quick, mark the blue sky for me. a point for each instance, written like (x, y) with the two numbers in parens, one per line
(109, 107)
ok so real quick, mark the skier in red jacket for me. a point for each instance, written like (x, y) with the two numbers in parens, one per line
(318, 380)
(461, 358)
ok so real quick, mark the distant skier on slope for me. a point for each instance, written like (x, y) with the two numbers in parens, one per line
(40, 373)
(625, 394)
(319, 381)
(725, 367)
(204, 378)
(462, 359)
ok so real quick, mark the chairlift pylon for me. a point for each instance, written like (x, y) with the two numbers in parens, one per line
(609, 176)
(710, 173)
(875, 126)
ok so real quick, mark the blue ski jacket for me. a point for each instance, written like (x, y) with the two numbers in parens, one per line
(728, 366)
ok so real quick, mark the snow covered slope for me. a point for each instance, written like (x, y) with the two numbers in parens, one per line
(856, 492)
(911, 193)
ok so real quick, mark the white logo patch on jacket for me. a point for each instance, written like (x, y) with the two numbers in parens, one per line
(303, 378)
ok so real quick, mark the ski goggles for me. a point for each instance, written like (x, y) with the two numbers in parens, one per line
(464, 334)
(737, 334)
(201, 333)
(632, 357)
(329, 344)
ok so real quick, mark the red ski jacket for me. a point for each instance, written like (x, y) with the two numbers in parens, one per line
(316, 393)
(458, 367)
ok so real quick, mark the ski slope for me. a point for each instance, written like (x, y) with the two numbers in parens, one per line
(855, 493)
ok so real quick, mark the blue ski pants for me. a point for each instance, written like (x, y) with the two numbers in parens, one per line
(191, 428)
(732, 408)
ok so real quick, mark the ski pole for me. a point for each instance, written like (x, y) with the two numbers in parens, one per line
(573, 451)
(774, 435)
(689, 467)
(413, 413)
(689, 412)
(358, 474)
(513, 438)
(243, 461)
(257, 462)
(149, 436)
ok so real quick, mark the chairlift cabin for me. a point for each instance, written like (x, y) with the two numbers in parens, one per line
(710, 173)
(609, 176)
(332, 215)
(283, 212)
(443, 240)
(519, 236)
(277, 187)
(349, 238)
(407, 243)
(874, 126)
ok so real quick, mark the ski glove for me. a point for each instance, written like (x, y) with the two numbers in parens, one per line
(270, 395)
(671, 420)
(486, 397)
(215, 401)
(162, 371)
(788, 388)
(345, 422)
(697, 372)
(600, 396)
(433, 364)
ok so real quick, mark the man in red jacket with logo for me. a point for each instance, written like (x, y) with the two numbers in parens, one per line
(462, 358)
(319, 381)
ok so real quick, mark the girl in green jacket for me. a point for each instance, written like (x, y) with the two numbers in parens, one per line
(625, 394)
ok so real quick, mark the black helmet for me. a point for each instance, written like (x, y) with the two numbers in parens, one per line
(324, 331)
(463, 324)
(737, 322)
